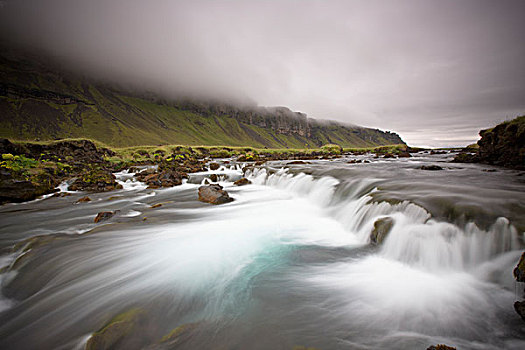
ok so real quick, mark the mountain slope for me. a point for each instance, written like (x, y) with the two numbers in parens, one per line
(38, 102)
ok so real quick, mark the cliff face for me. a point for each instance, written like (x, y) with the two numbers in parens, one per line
(37, 102)
(503, 145)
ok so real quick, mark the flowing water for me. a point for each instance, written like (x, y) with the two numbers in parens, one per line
(287, 264)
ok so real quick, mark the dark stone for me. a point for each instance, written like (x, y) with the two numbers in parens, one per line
(214, 178)
(382, 228)
(213, 194)
(519, 271)
(84, 199)
(13, 189)
(242, 182)
(214, 166)
(441, 347)
(104, 215)
(519, 306)
(431, 167)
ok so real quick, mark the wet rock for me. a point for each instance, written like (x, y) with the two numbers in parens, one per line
(62, 194)
(519, 306)
(84, 199)
(97, 180)
(296, 162)
(440, 347)
(213, 194)
(105, 215)
(431, 167)
(389, 155)
(116, 330)
(214, 166)
(519, 271)
(404, 155)
(165, 178)
(242, 182)
(15, 188)
(214, 178)
(382, 228)
(156, 205)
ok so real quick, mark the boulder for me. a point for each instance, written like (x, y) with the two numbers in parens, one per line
(519, 306)
(214, 166)
(431, 167)
(104, 215)
(165, 178)
(17, 189)
(382, 228)
(84, 199)
(519, 271)
(214, 178)
(242, 182)
(214, 194)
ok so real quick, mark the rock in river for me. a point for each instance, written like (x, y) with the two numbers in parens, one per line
(519, 271)
(242, 182)
(381, 229)
(104, 215)
(214, 194)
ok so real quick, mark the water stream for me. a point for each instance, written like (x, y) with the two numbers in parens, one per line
(288, 263)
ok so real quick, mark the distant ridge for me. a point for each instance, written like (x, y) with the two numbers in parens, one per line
(38, 102)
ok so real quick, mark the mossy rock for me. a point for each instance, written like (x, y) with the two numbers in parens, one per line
(179, 334)
(115, 330)
(382, 228)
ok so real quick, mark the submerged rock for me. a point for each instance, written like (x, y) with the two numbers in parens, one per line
(431, 167)
(84, 199)
(214, 194)
(115, 330)
(104, 215)
(381, 229)
(242, 182)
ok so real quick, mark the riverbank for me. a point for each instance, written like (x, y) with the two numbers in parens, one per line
(32, 169)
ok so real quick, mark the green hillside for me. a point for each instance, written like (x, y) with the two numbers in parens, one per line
(41, 103)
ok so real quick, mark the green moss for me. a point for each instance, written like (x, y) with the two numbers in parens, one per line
(113, 331)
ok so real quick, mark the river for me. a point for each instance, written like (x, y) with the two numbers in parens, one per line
(287, 265)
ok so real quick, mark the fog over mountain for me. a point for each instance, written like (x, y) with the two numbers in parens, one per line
(434, 71)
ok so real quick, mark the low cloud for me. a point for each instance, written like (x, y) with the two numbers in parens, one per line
(422, 68)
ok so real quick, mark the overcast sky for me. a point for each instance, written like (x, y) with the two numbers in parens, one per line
(434, 71)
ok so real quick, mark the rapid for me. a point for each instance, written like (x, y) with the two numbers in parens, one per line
(289, 263)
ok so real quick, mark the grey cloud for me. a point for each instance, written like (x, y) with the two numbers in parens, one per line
(435, 71)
